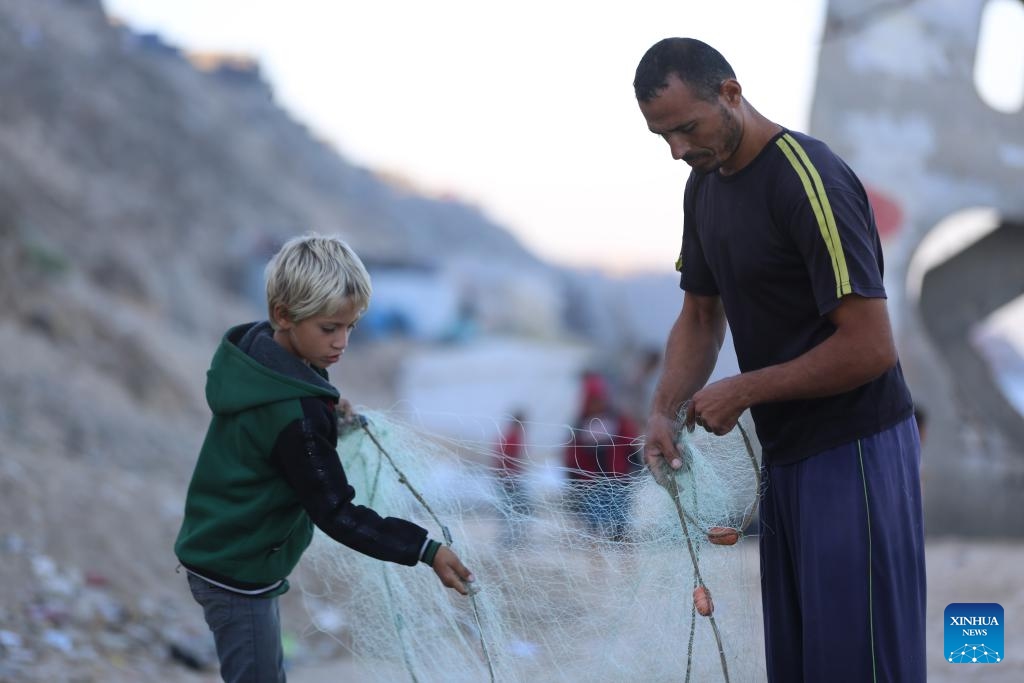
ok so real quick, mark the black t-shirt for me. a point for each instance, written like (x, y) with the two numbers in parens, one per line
(781, 242)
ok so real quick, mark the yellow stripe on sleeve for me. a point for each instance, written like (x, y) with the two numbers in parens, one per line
(815, 190)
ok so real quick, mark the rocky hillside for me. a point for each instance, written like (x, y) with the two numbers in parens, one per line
(121, 155)
(138, 188)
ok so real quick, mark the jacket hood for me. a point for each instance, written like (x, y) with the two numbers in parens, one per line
(250, 369)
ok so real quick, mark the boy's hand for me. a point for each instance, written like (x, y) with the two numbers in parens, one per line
(344, 410)
(451, 571)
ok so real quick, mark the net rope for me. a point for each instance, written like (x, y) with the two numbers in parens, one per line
(579, 575)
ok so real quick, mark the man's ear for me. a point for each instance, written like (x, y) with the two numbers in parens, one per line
(731, 91)
(281, 317)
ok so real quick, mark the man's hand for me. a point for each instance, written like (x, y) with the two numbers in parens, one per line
(451, 571)
(659, 444)
(717, 407)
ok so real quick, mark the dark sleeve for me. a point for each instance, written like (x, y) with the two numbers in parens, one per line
(694, 274)
(835, 233)
(306, 454)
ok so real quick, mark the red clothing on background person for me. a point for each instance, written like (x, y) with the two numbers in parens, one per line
(510, 449)
(601, 446)
(514, 503)
(598, 461)
(602, 439)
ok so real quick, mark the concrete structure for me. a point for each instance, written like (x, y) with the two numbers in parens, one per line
(896, 97)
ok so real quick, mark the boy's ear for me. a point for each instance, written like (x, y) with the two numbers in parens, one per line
(281, 317)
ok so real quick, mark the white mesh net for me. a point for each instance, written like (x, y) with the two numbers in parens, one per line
(579, 576)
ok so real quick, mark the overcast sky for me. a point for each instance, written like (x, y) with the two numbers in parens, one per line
(524, 108)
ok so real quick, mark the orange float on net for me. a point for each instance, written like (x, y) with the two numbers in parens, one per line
(723, 535)
(702, 601)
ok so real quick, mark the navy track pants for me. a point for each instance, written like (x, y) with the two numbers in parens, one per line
(842, 563)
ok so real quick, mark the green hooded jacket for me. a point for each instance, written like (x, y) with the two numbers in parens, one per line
(268, 470)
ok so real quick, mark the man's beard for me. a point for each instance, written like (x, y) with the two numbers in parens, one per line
(731, 137)
(732, 133)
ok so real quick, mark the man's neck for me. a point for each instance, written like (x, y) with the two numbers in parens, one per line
(757, 132)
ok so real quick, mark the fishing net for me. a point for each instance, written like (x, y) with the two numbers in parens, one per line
(580, 574)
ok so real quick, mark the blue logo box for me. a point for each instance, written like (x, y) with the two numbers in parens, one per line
(974, 633)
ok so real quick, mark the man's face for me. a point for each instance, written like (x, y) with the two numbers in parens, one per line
(703, 134)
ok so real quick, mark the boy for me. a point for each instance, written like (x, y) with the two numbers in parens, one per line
(268, 469)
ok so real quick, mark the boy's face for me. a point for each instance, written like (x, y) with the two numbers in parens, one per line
(320, 340)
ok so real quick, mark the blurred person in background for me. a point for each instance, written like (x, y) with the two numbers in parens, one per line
(510, 456)
(598, 460)
(921, 417)
(640, 384)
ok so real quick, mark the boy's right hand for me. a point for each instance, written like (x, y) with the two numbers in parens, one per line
(451, 571)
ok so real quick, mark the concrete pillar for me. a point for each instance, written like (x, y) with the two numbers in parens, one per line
(895, 97)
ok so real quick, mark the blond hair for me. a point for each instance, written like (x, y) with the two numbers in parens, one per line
(315, 275)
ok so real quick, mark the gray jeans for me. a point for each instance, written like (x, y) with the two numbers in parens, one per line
(247, 631)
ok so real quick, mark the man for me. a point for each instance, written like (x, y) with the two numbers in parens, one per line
(779, 240)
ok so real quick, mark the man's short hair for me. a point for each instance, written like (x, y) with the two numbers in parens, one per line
(697, 64)
(315, 275)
